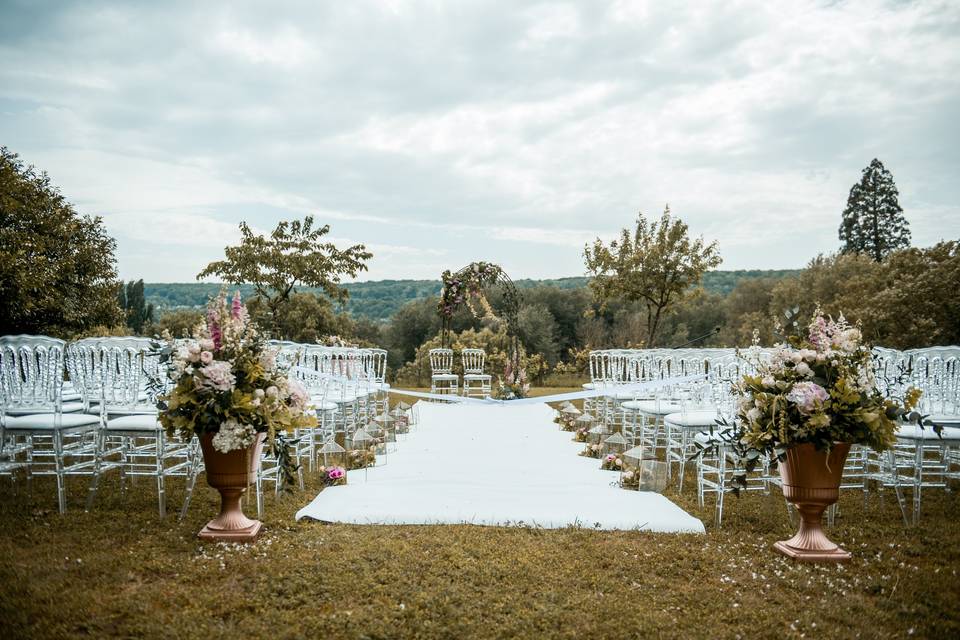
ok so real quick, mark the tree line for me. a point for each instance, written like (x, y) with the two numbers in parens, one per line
(654, 285)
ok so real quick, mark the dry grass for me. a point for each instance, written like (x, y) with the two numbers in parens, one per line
(120, 572)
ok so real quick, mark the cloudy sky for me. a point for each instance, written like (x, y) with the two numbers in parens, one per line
(443, 132)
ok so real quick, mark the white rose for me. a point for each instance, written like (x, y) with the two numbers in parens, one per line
(258, 393)
(206, 344)
(754, 414)
(768, 381)
(802, 369)
(796, 357)
(206, 357)
(272, 391)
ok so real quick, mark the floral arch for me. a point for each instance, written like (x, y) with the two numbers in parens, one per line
(466, 287)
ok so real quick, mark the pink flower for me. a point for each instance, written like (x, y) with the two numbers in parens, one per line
(336, 473)
(236, 309)
(808, 396)
(611, 457)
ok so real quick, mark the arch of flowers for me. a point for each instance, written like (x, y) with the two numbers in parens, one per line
(466, 287)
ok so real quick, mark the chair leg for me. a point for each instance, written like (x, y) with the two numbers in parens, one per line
(58, 461)
(161, 492)
(191, 482)
(97, 458)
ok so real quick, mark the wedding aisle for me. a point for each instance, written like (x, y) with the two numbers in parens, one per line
(493, 465)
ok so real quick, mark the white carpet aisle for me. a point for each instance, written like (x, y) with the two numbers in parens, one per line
(493, 465)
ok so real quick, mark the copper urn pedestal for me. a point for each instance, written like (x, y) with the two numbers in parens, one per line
(811, 481)
(230, 474)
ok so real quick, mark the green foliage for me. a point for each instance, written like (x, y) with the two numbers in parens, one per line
(134, 305)
(657, 265)
(873, 221)
(179, 323)
(57, 268)
(292, 256)
(303, 317)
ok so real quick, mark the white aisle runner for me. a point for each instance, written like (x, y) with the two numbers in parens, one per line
(493, 465)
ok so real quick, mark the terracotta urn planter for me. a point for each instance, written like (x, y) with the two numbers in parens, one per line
(811, 481)
(230, 474)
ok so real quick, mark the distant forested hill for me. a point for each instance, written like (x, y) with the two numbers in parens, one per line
(381, 299)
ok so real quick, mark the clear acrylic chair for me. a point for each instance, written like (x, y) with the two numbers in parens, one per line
(32, 419)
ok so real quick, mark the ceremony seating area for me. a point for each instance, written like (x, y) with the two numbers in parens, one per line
(88, 408)
(668, 423)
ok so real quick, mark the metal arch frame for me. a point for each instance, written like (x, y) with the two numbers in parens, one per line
(512, 300)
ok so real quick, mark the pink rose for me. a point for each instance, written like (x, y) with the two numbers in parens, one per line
(206, 357)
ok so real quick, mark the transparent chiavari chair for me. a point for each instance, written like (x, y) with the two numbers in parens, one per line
(32, 423)
(131, 439)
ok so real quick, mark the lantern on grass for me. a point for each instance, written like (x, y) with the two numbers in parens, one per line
(389, 426)
(630, 471)
(333, 454)
(401, 418)
(570, 410)
(653, 475)
(360, 453)
(595, 434)
(377, 433)
(615, 444)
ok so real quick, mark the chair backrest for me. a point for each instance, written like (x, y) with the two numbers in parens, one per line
(31, 373)
(441, 361)
(473, 360)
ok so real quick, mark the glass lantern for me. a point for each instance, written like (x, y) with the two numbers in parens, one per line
(653, 475)
(333, 454)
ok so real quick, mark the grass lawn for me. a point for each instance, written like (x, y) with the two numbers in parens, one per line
(121, 572)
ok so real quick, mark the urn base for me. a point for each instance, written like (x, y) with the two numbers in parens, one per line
(245, 534)
(808, 555)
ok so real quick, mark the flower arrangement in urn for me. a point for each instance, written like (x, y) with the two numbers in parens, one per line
(229, 391)
(611, 462)
(805, 407)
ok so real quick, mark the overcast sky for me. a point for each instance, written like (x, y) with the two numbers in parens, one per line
(444, 132)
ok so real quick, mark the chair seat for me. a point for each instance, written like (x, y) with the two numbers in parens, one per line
(136, 422)
(588, 386)
(140, 409)
(444, 376)
(950, 435)
(945, 419)
(476, 376)
(693, 419)
(651, 407)
(321, 405)
(45, 421)
(67, 407)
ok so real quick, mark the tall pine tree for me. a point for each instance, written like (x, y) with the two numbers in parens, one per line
(873, 222)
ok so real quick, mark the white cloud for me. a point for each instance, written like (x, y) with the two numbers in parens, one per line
(442, 132)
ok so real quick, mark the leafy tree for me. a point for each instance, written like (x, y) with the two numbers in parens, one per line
(179, 323)
(538, 332)
(134, 304)
(873, 222)
(57, 268)
(304, 317)
(293, 255)
(658, 265)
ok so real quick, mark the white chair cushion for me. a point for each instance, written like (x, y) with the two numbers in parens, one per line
(67, 407)
(43, 421)
(444, 376)
(137, 422)
(951, 435)
(588, 386)
(945, 418)
(702, 418)
(476, 376)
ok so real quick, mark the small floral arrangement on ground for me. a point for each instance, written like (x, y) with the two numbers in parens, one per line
(226, 382)
(362, 458)
(611, 462)
(332, 476)
(630, 479)
(581, 435)
(592, 451)
(513, 384)
(817, 388)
